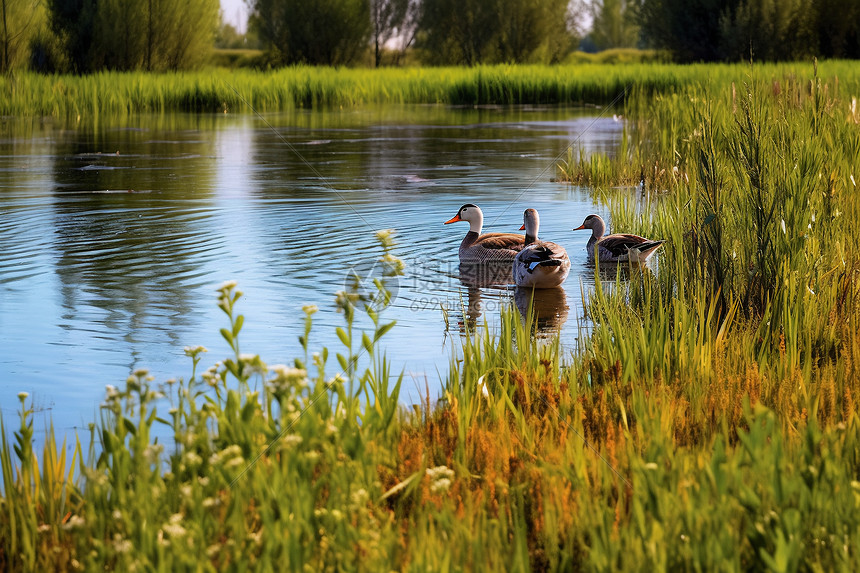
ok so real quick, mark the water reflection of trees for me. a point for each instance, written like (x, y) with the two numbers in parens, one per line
(128, 227)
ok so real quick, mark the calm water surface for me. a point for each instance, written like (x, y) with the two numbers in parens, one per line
(113, 238)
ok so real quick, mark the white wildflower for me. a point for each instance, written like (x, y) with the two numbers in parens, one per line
(440, 478)
(121, 545)
(359, 497)
(440, 486)
(195, 350)
(227, 285)
(23, 395)
(192, 459)
(256, 537)
(173, 527)
(226, 454)
(152, 453)
(235, 462)
(74, 522)
(310, 309)
(440, 472)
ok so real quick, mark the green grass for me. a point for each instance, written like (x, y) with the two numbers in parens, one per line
(233, 91)
(708, 421)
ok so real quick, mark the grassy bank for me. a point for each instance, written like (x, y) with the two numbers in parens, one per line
(237, 91)
(708, 421)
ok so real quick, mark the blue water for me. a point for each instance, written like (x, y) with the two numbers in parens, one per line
(114, 237)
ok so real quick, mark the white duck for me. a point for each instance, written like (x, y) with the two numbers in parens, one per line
(478, 248)
(540, 264)
(617, 248)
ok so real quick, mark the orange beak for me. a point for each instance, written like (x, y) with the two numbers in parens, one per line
(454, 219)
(580, 227)
(523, 228)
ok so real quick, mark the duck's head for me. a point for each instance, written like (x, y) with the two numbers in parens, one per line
(471, 214)
(531, 223)
(595, 223)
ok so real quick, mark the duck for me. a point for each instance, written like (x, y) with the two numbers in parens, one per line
(540, 264)
(478, 248)
(617, 248)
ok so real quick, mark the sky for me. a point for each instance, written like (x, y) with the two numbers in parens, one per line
(235, 13)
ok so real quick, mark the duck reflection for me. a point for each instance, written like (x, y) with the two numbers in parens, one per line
(486, 286)
(548, 306)
(490, 273)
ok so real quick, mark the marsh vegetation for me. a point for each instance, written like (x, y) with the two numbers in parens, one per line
(709, 419)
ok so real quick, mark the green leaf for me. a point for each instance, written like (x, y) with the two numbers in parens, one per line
(383, 329)
(240, 320)
(227, 336)
(366, 342)
(710, 218)
(341, 333)
(342, 361)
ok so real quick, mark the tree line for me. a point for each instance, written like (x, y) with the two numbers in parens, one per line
(88, 35)
(469, 32)
(765, 30)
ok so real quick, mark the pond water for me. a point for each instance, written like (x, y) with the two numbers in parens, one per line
(114, 236)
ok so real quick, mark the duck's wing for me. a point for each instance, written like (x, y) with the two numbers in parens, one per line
(542, 253)
(510, 241)
(619, 244)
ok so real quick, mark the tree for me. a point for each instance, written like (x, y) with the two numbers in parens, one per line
(839, 28)
(690, 29)
(614, 24)
(135, 34)
(328, 32)
(73, 21)
(20, 22)
(484, 31)
(769, 30)
(407, 31)
(387, 20)
(525, 25)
